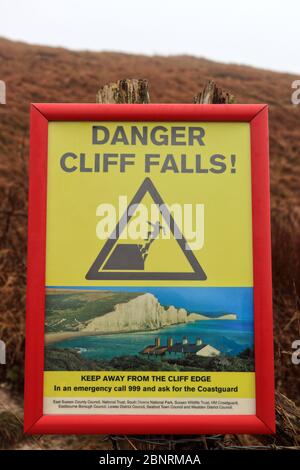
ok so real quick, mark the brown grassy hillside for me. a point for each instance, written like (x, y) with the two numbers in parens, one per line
(43, 74)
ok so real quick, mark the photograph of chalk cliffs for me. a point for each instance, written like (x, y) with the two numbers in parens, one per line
(155, 52)
(140, 329)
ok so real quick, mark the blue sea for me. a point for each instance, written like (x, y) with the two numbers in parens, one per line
(228, 336)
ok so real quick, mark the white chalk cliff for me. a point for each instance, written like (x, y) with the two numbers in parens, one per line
(139, 314)
(199, 316)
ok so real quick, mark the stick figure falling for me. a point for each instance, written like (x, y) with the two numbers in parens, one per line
(153, 233)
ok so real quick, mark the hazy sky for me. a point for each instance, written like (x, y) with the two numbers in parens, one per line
(263, 33)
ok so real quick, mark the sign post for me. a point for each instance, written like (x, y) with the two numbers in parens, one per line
(149, 279)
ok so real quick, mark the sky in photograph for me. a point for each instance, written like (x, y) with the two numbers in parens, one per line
(262, 33)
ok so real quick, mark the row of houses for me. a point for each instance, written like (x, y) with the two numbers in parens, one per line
(178, 350)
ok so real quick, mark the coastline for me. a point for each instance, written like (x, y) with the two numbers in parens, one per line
(51, 338)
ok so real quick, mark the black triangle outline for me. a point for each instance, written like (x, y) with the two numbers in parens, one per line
(94, 274)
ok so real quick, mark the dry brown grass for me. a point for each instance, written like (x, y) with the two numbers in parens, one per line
(286, 294)
(42, 74)
(11, 429)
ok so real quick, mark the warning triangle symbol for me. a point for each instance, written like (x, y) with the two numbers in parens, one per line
(124, 262)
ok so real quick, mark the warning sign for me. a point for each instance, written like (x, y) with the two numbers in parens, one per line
(128, 260)
(152, 202)
(149, 260)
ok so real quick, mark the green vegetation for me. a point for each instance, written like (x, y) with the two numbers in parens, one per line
(66, 359)
(62, 301)
(241, 363)
(67, 311)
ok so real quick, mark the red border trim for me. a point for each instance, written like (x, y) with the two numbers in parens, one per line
(149, 112)
(36, 255)
(34, 420)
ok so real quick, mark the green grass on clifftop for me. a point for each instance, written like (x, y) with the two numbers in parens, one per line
(67, 310)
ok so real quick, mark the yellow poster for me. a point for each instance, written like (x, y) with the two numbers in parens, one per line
(149, 277)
